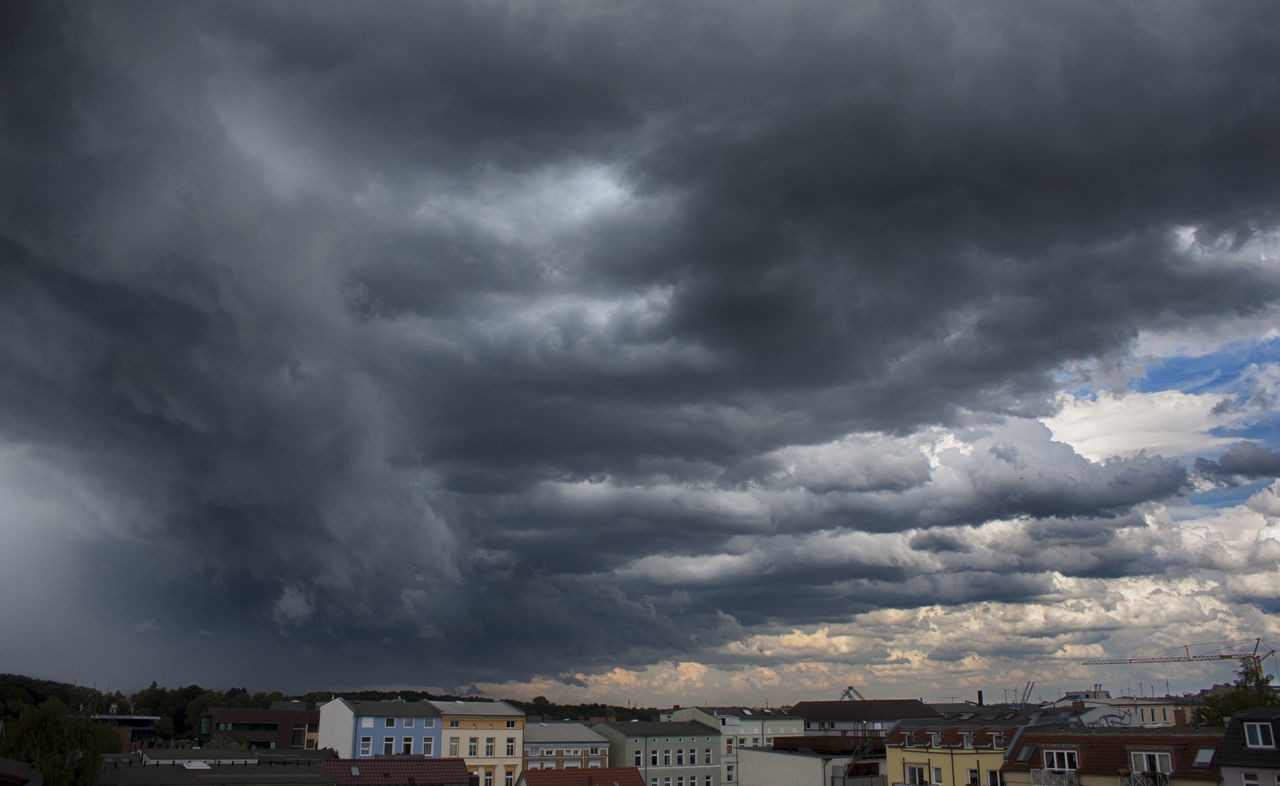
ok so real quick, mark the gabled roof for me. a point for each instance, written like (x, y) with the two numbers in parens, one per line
(398, 771)
(563, 731)
(861, 711)
(482, 709)
(595, 776)
(950, 735)
(749, 713)
(1103, 751)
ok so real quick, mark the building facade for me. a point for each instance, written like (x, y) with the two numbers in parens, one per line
(368, 729)
(667, 753)
(947, 755)
(868, 718)
(292, 727)
(1249, 755)
(562, 746)
(488, 735)
(740, 727)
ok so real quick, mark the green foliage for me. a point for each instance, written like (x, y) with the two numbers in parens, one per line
(66, 748)
(1252, 689)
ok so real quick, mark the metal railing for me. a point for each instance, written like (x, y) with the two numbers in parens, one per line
(1054, 778)
(1144, 779)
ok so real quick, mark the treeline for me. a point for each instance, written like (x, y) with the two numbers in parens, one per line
(179, 709)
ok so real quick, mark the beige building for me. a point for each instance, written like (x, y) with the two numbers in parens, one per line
(947, 755)
(563, 746)
(489, 735)
(740, 727)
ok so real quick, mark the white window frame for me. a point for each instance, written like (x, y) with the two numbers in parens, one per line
(366, 746)
(428, 746)
(1061, 760)
(1140, 760)
(406, 746)
(1259, 734)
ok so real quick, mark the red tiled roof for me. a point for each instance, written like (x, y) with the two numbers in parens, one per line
(1107, 751)
(594, 776)
(950, 736)
(396, 771)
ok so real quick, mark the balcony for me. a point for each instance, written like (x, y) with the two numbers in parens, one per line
(1054, 778)
(1144, 779)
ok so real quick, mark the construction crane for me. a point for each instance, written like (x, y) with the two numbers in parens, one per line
(1250, 662)
(851, 693)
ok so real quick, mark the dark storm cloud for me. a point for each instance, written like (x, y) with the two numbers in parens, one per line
(1241, 461)
(430, 324)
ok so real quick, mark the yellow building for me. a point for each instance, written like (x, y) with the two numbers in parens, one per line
(489, 735)
(947, 755)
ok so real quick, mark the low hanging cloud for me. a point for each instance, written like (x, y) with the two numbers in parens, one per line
(485, 344)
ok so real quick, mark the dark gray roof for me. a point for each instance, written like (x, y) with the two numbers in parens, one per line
(663, 728)
(129, 771)
(1234, 753)
(395, 709)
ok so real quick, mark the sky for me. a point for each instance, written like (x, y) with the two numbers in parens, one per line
(640, 352)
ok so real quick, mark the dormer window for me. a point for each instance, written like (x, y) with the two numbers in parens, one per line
(1152, 762)
(966, 739)
(935, 739)
(1259, 735)
(1060, 760)
(997, 740)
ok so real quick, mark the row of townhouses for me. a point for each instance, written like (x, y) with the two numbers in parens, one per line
(1084, 741)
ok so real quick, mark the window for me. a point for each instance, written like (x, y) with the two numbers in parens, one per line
(407, 723)
(428, 746)
(511, 724)
(1060, 760)
(1249, 778)
(366, 723)
(768, 741)
(974, 778)
(993, 777)
(679, 780)
(755, 740)
(388, 746)
(453, 724)
(680, 759)
(666, 781)
(707, 782)
(1204, 757)
(406, 745)
(488, 779)
(508, 778)
(488, 746)
(937, 775)
(706, 756)
(728, 773)
(595, 751)
(453, 747)
(1259, 735)
(1152, 762)
(638, 758)
(666, 758)
(511, 746)
(966, 739)
(473, 745)
(653, 758)
(997, 740)
(916, 776)
(390, 723)
(366, 746)
(428, 723)
(728, 745)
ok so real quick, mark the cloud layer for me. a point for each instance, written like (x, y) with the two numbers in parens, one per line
(487, 344)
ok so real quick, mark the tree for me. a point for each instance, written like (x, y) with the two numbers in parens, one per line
(67, 749)
(1252, 689)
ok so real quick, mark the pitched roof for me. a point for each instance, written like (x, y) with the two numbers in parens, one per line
(595, 776)
(869, 710)
(541, 733)
(484, 709)
(951, 735)
(398, 771)
(1105, 751)
(1233, 752)
(395, 709)
(770, 713)
(662, 728)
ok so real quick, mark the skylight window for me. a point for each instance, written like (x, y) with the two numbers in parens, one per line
(1204, 757)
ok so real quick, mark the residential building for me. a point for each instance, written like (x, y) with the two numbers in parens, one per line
(740, 727)
(1159, 712)
(596, 776)
(768, 767)
(667, 753)
(948, 754)
(1250, 751)
(196, 767)
(286, 727)
(865, 756)
(398, 771)
(135, 732)
(366, 729)
(1172, 756)
(869, 718)
(489, 735)
(563, 745)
